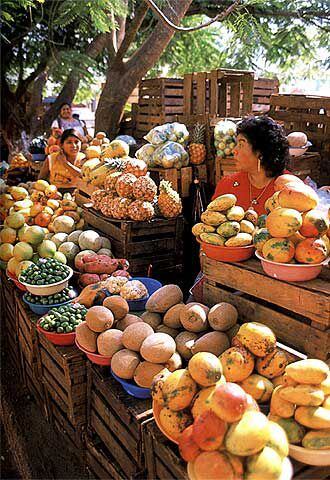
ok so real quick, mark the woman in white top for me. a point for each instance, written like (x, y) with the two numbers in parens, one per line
(65, 121)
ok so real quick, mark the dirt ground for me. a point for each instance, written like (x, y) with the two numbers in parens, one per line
(25, 434)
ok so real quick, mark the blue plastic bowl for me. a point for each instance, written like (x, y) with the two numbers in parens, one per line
(132, 389)
(43, 309)
(151, 285)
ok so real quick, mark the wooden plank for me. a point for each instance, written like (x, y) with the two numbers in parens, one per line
(101, 463)
(291, 116)
(235, 94)
(300, 299)
(201, 92)
(187, 94)
(300, 101)
(311, 341)
(213, 79)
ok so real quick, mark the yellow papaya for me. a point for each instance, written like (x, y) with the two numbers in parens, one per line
(281, 407)
(257, 338)
(273, 364)
(222, 203)
(313, 417)
(303, 395)
(212, 218)
(212, 238)
(235, 213)
(202, 228)
(259, 387)
(240, 240)
(293, 430)
(309, 371)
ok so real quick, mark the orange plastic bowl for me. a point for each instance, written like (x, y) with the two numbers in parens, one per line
(227, 254)
(95, 357)
(156, 408)
(61, 339)
(17, 283)
(290, 272)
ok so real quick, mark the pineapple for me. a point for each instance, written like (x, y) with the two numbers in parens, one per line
(124, 185)
(145, 189)
(197, 150)
(169, 202)
(111, 180)
(141, 211)
(97, 198)
(106, 206)
(136, 167)
(120, 207)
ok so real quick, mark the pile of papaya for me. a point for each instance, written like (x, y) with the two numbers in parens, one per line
(226, 224)
(295, 229)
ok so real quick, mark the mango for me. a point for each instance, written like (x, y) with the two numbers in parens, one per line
(235, 213)
(202, 228)
(313, 417)
(260, 237)
(212, 238)
(240, 240)
(228, 229)
(212, 218)
(283, 222)
(309, 371)
(259, 387)
(308, 395)
(317, 439)
(278, 439)
(249, 435)
(266, 464)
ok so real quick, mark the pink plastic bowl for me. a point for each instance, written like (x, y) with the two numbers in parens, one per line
(227, 254)
(95, 357)
(290, 272)
(61, 339)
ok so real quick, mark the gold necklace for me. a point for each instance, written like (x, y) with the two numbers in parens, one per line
(254, 201)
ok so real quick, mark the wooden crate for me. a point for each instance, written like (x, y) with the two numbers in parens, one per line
(160, 101)
(29, 351)
(263, 88)
(181, 179)
(9, 323)
(64, 374)
(309, 114)
(162, 456)
(306, 472)
(297, 312)
(118, 420)
(308, 165)
(100, 464)
(158, 243)
(219, 93)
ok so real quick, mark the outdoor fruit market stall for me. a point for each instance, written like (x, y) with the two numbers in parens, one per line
(142, 381)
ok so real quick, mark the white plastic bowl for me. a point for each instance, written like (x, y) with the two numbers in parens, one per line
(298, 151)
(49, 289)
(318, 458)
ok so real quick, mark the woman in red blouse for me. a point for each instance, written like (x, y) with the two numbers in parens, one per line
(261, 154)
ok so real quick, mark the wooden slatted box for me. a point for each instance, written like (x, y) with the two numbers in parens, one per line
(99, 464)
(219, 93)
(29, 351)
(117, 420)
(160, 101)
(162, 456)
(263, 88)
(64, 374)
(297, 312)
(9, 322)
(181, 179)
(158, 243)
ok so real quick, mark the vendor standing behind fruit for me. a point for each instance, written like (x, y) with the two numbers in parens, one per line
(261, 154)
(65, 121)
(63, 168)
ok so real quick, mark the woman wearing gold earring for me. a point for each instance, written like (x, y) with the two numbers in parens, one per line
(63, 168)
(261, 155)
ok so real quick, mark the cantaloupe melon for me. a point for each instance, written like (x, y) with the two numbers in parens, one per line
(99, 318)
(124, 363)
(109, 342)
(158, 348)
(135, 334)
(145, 372)
(164, 298)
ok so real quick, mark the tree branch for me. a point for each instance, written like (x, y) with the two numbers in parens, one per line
(132, 30)
(24, 84)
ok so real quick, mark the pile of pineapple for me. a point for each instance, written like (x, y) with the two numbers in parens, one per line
(128, 192)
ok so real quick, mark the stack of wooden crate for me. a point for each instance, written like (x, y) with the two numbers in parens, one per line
(160, 101)
(115, 428)
(263, 88)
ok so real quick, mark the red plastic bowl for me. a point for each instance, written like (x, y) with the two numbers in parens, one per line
(95, 357)
(290, 272)
(17, 283)
(227, 254)
(62, 339)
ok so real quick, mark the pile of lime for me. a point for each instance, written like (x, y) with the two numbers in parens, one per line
(63, 319)
(45, 272)
(65, 295)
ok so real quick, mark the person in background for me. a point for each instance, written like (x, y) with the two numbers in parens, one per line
(63, 168)
(261, 154)
(82, 123)
(65, 121)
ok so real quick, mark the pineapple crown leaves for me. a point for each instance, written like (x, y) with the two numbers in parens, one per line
(198, 133)
(166, 187)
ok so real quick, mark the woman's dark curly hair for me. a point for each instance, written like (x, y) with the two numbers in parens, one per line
(267, 139)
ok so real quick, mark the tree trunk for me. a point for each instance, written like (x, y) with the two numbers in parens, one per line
(35, 108)
(122, 77)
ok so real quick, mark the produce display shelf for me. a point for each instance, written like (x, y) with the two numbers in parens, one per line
(297, 312)
(116, 420)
